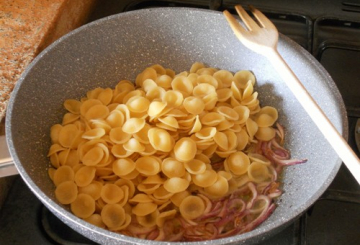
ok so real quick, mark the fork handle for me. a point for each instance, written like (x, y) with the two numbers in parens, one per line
(338, 143)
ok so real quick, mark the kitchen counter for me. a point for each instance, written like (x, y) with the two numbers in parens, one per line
(26, 28)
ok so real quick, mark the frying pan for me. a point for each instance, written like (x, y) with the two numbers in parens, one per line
(121, 46)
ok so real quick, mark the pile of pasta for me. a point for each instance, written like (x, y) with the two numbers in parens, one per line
(134, 158)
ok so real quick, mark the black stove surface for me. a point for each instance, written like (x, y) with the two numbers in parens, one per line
(327, 29)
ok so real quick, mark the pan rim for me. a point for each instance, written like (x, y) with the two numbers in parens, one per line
(70, 217)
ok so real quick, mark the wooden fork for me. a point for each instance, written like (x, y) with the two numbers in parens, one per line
(262, 37)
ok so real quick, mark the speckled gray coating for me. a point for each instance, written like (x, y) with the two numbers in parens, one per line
(121, 46)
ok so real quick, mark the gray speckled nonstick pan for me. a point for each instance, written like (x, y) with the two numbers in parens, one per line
(121, 46)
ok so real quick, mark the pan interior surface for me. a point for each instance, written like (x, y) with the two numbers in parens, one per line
(102, 53)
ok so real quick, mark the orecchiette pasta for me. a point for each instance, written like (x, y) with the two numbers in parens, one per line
(164, 149)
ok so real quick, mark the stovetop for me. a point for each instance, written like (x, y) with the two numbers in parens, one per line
(330, 31)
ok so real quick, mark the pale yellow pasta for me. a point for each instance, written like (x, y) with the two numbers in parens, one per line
(160, 70)
(212, 119)
(54, 133)
(228, 113)
(124, 86)
(83, 206)
(124, 110)
(242, 77)
(97, 112)
(164, 81)
(95, 133)
(225, 77)
(70, 118)
(96, 220)
(242, 140)
(221, 140)
(93, 156)
(115, 118)
(223, 94)
(144, 208)
(251, 128)
(224, 125)
(172, 167)
(93, 94)
(192, 207)
(144, 153)
(162, 194)
(100, 123)
(176, 184)
(148, 85)
(193, 78)
(62, 174)
(148, 220)
(232, 139)
(149, 150)
(255, 157)
(195, 166)
(205, 179)
(265, 134)
(238, 163)
(206, 133)
(258, 172)
(236, 94)
(111, 193)
(205, 78)
(185, 149)
(133, 145)
(219, 188)
(118, 136)
(206, 71)
(105, 96)
(133, 125)
(251, 100)
(51, 172)
(55, 148)
(197, 126)
(62, 157)
(148, 73)
(183, 85)
(72, 106)
(148, 165)
(87, 104)
(267, 116)
(156, 108)
(227, 175)
(170, 122)
(196, 66)
(203, 89)
(131, 95)
(194, 105)
(162, 217)
(66, 192)
(140, 198)
(84, 176)
(114, 216)
(155, 94)
(243, 113)
(248, 90)
(173, 98)
(93, 189)
(129, 184)
(123, 167)
(153, 179)
(67, 135)
(160, 139)
(138, 104)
